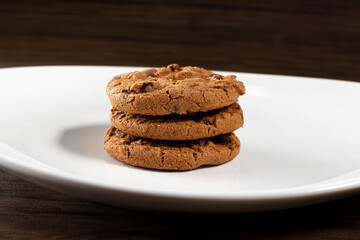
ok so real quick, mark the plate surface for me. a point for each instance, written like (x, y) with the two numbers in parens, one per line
(300, 143)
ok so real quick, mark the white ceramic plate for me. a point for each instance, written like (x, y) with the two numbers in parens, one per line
(300, 143)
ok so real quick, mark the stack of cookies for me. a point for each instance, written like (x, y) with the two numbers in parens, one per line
(174, 118)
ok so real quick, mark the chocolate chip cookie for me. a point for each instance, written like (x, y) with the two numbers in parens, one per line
(170, 155)
(173, 89)
(180, 127)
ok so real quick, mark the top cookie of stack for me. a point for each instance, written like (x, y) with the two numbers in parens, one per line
(173, 89)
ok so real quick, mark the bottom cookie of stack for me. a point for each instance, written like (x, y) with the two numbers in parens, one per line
(170, 155)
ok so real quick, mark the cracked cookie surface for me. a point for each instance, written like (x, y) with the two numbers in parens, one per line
(173, 89)
(180, 127)
(170, 155)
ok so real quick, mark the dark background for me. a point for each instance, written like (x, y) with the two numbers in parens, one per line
(304, 38)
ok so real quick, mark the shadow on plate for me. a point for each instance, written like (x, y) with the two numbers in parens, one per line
(85, 140)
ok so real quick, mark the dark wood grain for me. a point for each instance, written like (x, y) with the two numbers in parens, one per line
(306, 38)
(28, 211)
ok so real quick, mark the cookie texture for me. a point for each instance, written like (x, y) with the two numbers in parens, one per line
(173, 89)
(180, 127)
(170, 155)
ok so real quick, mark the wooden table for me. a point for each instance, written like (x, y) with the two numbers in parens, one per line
(318, 39)
(28, 211)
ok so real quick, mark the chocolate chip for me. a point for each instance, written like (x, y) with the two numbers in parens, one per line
(206, 122)
(116, 77)
(223, 139)
(194, 85)
(146, 86)
(174, 67)
(214, 77)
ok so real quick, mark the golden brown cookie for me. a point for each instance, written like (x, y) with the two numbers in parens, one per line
(170, 155)
(173, 89)
(180, 127)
